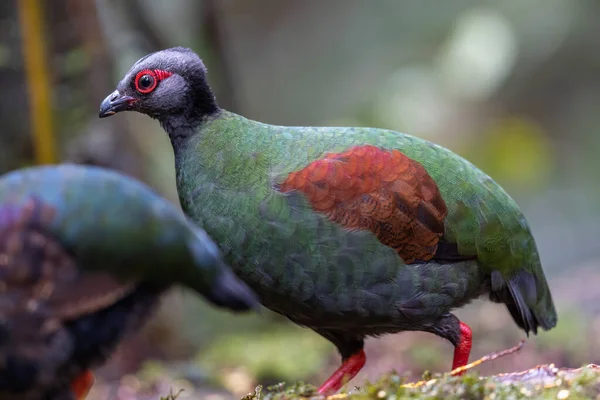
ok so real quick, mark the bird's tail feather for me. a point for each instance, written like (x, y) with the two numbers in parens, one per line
(528, 299)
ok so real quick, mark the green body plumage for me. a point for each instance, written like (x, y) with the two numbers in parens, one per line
(226, 176)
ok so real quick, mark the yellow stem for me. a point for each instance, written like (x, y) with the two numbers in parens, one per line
(38, 82)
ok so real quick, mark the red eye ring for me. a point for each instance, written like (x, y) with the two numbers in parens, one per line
(145, 89)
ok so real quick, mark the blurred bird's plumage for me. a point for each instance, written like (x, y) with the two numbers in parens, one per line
(85, 254)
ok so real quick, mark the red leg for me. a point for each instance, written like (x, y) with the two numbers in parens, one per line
(344, 373)
(82, 385)
(463, 348)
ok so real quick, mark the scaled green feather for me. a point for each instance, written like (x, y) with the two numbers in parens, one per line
(226, 175)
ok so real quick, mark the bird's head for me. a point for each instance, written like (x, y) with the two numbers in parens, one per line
(166, 84)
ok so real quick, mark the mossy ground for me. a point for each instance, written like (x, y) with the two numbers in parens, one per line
(542, 382)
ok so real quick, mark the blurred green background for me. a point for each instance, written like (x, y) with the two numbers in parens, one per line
(513, 86)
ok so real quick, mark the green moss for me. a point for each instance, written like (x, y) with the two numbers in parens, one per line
(545, 382)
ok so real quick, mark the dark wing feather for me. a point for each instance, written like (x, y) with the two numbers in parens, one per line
(449, 252)
(511, 294)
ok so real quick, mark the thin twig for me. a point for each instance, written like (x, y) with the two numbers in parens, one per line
(486, 358)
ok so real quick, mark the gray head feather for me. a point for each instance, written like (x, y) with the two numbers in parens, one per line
(184, 98)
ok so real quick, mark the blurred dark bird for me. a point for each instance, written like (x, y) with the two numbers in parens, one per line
(352, 232)
(85, 254)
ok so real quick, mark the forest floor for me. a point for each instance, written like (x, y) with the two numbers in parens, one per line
(541, 382)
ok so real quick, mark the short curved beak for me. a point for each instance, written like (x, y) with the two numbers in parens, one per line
(114, 103)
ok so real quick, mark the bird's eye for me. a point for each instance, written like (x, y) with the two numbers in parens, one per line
(145, 81)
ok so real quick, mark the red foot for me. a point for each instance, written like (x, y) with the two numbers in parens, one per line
(344, 373)
(82, 385)
(463, 348)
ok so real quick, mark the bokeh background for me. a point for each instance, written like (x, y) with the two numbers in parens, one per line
(513, 86)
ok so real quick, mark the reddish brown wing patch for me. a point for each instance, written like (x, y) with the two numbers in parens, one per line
(383, 191)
